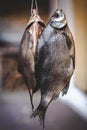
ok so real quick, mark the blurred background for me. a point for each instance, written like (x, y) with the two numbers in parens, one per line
(69, 112)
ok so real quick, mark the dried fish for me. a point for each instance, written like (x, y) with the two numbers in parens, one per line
(26, 54)
(55, 61)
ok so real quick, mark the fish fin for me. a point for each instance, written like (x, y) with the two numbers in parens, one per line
(40, 111)
(31, 98)
(65, 90)
(73, 59)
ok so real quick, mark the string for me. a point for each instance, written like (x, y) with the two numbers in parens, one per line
(32, 5)
(36, 4)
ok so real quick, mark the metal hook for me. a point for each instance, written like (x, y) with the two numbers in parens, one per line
(32, 5)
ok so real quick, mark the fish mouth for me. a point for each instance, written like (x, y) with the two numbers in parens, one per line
(59, 19)
(59, 25)
(58, 16)
(54, 19)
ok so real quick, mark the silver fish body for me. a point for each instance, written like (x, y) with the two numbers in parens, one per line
(55, 61)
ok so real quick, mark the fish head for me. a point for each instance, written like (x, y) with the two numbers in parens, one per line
(58, 20)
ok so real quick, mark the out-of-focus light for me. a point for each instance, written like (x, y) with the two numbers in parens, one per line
(76, 99)
(11, 32)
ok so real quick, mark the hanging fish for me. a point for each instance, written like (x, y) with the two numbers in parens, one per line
(55, 61)
(27, 49)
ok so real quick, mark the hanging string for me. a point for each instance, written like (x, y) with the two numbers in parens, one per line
(36, 4)
(32, 5)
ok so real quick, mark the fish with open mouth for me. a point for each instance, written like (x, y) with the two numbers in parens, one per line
(54, 62)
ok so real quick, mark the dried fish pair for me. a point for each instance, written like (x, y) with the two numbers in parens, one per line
(52, 54)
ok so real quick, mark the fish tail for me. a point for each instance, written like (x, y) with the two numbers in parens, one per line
(40, 111)
(31, 99)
